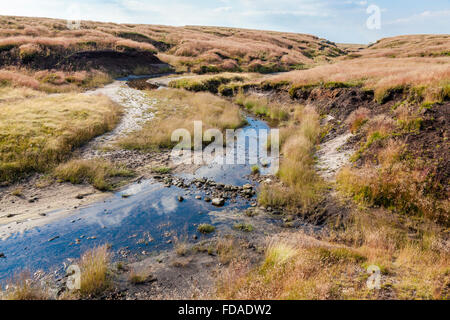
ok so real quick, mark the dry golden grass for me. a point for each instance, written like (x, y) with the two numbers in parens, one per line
(357, 118)
(262, 106)
(200, 49)
(300, 267)
(22, 287)
(179, 109)
(301, 186)
(8, 94)
(295, 270)
(380, 74)
(423, 45)
(52, 81)
(94, 271)
(38, 133)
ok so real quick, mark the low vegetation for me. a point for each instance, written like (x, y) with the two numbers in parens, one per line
(96, 172)
(189, 49)
(245, 227)
(428, 76)
(206, 83)
(178, 109)
(263, 107)
(300, 186)
(36, 134)
(23, 287)
(206, 228)
(94, 266)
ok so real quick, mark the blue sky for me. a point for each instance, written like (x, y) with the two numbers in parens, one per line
(338, 20)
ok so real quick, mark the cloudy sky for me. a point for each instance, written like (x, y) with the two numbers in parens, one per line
(336, 20)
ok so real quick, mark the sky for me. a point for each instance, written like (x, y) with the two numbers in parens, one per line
(344, 21)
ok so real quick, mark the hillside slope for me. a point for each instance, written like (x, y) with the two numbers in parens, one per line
(27, 41)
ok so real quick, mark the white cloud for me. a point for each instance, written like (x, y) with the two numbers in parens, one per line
(223, 9)
(420, 17)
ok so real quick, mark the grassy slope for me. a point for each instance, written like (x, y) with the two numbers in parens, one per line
(38, 133)
(200, 49)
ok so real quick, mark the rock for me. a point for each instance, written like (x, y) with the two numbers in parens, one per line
(80, 196)
(247, 186)
(218, 202)
(10, 215)
(2, 255)
(180, 199)
(208, 199)
(198, 197)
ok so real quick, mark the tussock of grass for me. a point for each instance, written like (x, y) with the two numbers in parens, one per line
(138, 277)
(357, 119)
(36, 134)
(95, 171)
(206, 83)
(161, 170)
(52, 81)
(23, 287)
(94, 271)
(227, 249)
(181, 245)
(261, 106)
(301, 185)
(255, 169)
(178, 109)
(206, 228)
(245, 227)
(294, 272)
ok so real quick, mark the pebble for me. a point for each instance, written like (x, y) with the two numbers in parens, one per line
(218, 202)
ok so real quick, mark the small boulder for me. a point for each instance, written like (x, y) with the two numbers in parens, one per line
(218, 202)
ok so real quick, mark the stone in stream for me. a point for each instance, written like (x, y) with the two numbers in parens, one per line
(208, 199)
(247, 186)
(180, 199)
(2, 255)
(198, 197)
(54, 238)
(218, 202)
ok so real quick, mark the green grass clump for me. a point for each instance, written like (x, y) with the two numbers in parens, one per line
(95, 171)
(162, 170)
(243, 227)
(255, 169)
(205, 83)
(206, 228)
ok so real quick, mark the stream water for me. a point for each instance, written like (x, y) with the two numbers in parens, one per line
(144, 221)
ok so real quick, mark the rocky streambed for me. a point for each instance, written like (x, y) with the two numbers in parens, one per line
(140, 220)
